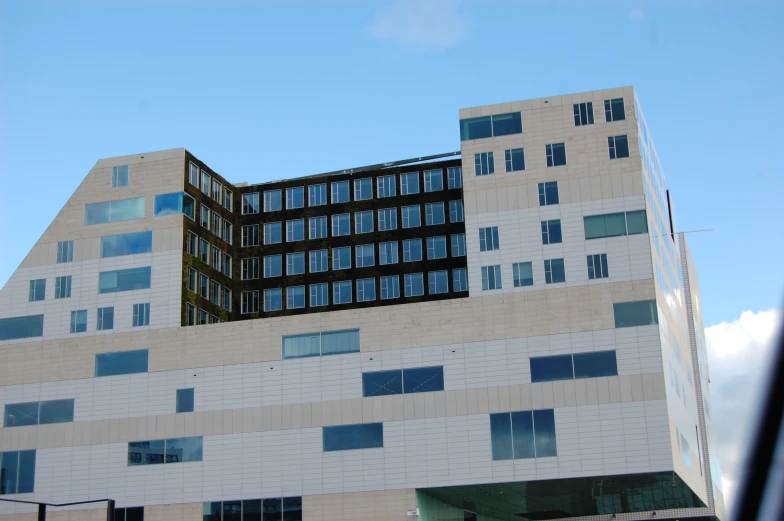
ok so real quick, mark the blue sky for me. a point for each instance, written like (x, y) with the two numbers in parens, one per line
(267, 90)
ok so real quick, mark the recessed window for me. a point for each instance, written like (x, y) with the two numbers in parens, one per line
(119, 176)
(548, 193)
(228, 197)
(37, 290)
(341, 258)
(454, 177)
(295, 197)
(341, 292)
(185, 400)
(105, 319)
(409, 183)
(273, 233)
(366, 290)
(204, 286)
(340, 192)
(434, 180)
(319, 295)
(295, 230)
(226, 299)
(436, 248)
(458, 245)
(554, 271)
(203, 317)
(250, 203)
(193, 174)
(490, 126)
(273, 299)
(141, 315)
(390, 287)
(216, 258)
(273, 201)
(317, 227)
(522, 274)
(215, 292)
(365, 255)
(124, 280)
(190, 314)
(353, 437)
(126, 244)
(387, 219)
(206, 181)
(523, 435)
(65, 251)
(226, 265)
(459, 279)
(387, 253)
(295, 263)
(515, 159)
(438, 282)
(556, 154)
(192, 244)
(614, 110)
(363, 222)
(62, 287)
(488, 238)
(114, 211)
(583, 114)
(295, 297)
(412, 250)
(250, 235)
(79, 321)
(639, 313)
(491, 277)
(217, 190)
(618, 146)
(363, 189)
(227, 232)
(341, 225)
(484, 164)
(456, 213)
(204, 251)
(597, 266)
(551, 232)
(434, 214)
(412, 216)
(249, 302)
(414, 285)
(217, 224)
(317, 195)
(204, 216)
(192, 281)
(273, 266)
(318, 261)
(21, 327)
(615, 224)
(386, 186)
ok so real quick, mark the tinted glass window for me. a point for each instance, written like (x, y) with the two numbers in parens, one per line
(173, 204)
(636, 222)
(409, 183)
(251, 510)
(337, 342)
(522, 273)
(185, 400)
(476, 128)
(184, 449)
(56, 411)
(523, 435)
(292, 509)
(21, 414)
(273, 201)
(592, 365)
(340, 192)
(232, 511)
(544, 433)
(506, 124)
(299, 346)
(126, 244)
(21, 327)
(382, 383)
(123, 362)
(640, 313)
(423, 379)
(501, 436)
(550, 368)
(351, 437)
(295, 197)
(124, 280)
(114, 211)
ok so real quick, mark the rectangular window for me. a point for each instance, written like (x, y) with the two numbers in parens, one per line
(597, 266)
(341, 292)
(114, 211)
(141, 315)
(39, 413)
(37, 290)
(124, 280)
(382, 383)
(619, 147)
(341, 258)
(250, 202)
(226, 299)
(204, 217)
(273, 266)
(412, 216)
(363, 189)
(122, 362)
(318, 261)
(414, 285)
(548, 193)
(438, 282)
(484, 163)
(317, 195)
(366, 290)
(459, 279)
(363, 222)
(353, 437)
(458, 245)
(436, 248)
(185, 400)
(390, 287)
(387, 219)
(105, 319)
(193, 174)
(583, 114)
(554, 271)
(615, 224)
(175, 450)
(215, 292)
(65, 251)
(205, 182)
(126, 244)
(522, 273)
(273, 201)
(317, 227)
(250, 235)
(62, 287)
(295, 230)
(523, 435)
(217, 190)
(295, 197)
(434, 180)
(273, 233)
(192, 244)
(319, 295)
(216, 258)
(14, 328)
(273, 299)
(250, 268)
(190, 314)
(409, 183)
(595, 364)
(227, 199)
(515, 159)
(578, 365)
(341, 225)
(614, 110)
(639, 313)
(406, 381)
(340, 192)
(387, 253)
(119, 176)
(491, 277)
(217, 224)
(386, 186)
(227, 265)
(365, 255)
(412, 250)
(551, 231)
(249, 302)
(456, 213)
(204, 286)
(174, 204)
(556, 154)
(434, 214)
(488, 238)
(321, 344)
(454, 177)
(17, 472)
(295, 297)
(295, 263)
(490, 126)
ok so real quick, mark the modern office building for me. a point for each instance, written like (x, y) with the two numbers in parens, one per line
(512, 331)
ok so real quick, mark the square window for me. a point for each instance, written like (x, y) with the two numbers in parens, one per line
(250, 202)
(387, 253)
(295, 197)
(390, 287)
(250, 268)
(318, 261)
(273, 201)
(203, 317)
(597, 266)
(341, 258)
(414, 285)
(317, 227)
(436, 248)
(250, 235)
(62, 287)
(484, 164)
(515, 159)
(341, 292)
(341, 225)
(456, 213)
(556, 154)
(434, 180)
(583, 114)
(273, 233)
(365, 254)
(79, 321)
(141, 315)
(412, 250)
(273, 266)
(317, 195)
(386, 186)
(295, 297)
(548, 193)
(412, 216)
(522, 273)
(340, 192)
(554, 271)
(460, 280)
(455, 177)
(409, 183)
(105, 319)
(387, 219)
(295, 265)
(434, 214)
(37, 290)
(619, 147)
(488, 239)
(295, 230)
(491, 277)
(438, 282)
(363, 222)
(551, 232)
(273, 299)
(119, 176)
(65, 251)
(319, 295)
(363, 189)
(366, 290)
(185, 400)
(614, 110)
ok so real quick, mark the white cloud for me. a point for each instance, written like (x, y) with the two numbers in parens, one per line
(421, 25)
(738, 356)
(637, 14)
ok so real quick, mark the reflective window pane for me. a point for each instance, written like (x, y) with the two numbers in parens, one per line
(184, 449)
(123, 362)
(381, 383)
(124, 280)
(56, 411)
(185, 400)
(550, 368)
(353, 437)
(501, 436)
(21, 414)
(423, 379)
(544, 433)
(593, 365)
(114, 211)
(523, 435)
(126, 244)
(640, 313)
